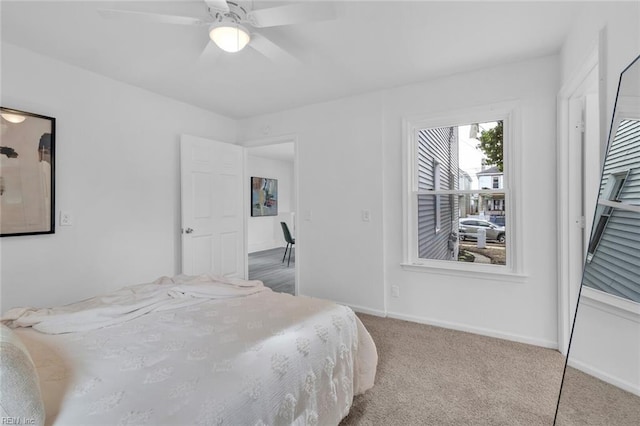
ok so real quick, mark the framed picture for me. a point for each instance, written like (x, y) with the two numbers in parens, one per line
(264, 196)
(27, 152)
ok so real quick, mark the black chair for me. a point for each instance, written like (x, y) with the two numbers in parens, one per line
(290, 241)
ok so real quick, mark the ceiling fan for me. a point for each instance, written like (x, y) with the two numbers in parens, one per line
(228, 23)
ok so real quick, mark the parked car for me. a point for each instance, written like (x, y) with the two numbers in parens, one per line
(497, 220)
(468, 229)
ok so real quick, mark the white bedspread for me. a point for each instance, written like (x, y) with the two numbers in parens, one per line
(129, 303)
(261, 359)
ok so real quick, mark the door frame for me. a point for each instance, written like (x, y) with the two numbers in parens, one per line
(573, 89)
(276, 140)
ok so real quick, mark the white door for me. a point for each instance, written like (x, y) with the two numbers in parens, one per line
(213, 195)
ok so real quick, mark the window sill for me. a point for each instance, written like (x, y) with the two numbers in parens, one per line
(457, 269)
(611, 304)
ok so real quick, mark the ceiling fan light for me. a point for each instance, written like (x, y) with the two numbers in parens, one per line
(13, 118)
(229, 37)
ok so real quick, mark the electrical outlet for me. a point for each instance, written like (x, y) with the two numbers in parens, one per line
(66, 218)
(395, 291)
(366, 216)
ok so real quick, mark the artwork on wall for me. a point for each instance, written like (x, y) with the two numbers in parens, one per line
(264, 196)
(27, 151)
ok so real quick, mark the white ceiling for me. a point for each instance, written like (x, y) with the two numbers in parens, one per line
(370, 46)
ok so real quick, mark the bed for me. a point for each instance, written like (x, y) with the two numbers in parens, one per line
(196, 350)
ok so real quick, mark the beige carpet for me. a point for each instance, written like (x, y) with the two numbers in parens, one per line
(588, 401)
(435, 376)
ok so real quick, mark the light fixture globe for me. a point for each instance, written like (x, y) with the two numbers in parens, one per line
(13, 118)
(229, 36)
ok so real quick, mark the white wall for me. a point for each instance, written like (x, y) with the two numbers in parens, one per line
(523, 310)
(117, 170)
(264, 233)
(339, 147)
(606, 343)
(350, 160)
(619, 23)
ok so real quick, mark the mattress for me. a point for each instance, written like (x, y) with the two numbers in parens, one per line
(257, 358)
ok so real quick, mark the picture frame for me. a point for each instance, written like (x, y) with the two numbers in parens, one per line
(264, 196)
(27, 173)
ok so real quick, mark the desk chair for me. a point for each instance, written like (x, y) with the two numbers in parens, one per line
(290, 241)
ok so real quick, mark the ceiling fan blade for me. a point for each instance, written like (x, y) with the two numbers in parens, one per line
(149, 17)
(210, 53)
(219, 5)
(271, 50)
(291, 14)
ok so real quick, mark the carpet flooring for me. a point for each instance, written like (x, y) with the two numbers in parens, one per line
(586, 400)
(435, 376)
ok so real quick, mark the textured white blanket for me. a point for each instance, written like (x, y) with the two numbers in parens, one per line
(263, 359)
(129, 303)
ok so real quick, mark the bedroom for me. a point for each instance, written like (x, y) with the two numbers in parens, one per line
(120, 237)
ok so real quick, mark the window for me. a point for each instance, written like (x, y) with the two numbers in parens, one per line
(457, 193)
(610, 193)
(613, 262)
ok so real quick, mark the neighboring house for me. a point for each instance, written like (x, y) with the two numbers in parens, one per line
(613, 256)
(437, 214)
(466, 205)
(491, 205)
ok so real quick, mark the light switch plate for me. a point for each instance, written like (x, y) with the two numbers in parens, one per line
(395, 291)
(66, 218)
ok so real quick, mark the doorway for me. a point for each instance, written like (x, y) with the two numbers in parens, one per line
(272, 162)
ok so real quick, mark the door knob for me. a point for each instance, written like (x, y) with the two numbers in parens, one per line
(188, 230)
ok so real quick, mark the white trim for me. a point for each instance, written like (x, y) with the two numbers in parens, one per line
(271, 140)
(564, 222)
(437, 170)
(476, 330)
(462, 117)
(619, 205)
(611, 304)
(363, 310)
(408, 239)
(275, 140)
(605, 377)
(508, 112)
(466, 270)
(461, 191)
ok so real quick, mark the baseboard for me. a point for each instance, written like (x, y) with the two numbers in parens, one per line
(262, 246)
(455, 326)
(605, 377)
(476, 330)
(367, 311)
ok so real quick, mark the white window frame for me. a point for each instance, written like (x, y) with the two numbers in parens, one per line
(437, 169)
(508, 112)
